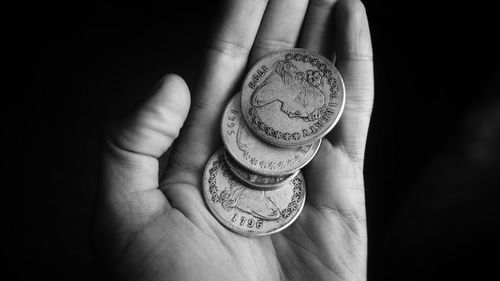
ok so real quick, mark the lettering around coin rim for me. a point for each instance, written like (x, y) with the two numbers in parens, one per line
(232, 204)
(292, 97)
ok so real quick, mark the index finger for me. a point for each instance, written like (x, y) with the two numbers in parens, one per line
(225, 62)
(228, 52)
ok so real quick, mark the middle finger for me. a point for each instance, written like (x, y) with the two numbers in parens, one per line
(225, 63)
(280, 27)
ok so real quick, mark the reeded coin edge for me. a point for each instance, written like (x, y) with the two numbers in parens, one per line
(252, 185)
(222, 221)
(279, 143)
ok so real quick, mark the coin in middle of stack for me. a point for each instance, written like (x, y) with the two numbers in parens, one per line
(256, 155)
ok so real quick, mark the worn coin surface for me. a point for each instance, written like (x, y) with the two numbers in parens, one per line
(255, 181)
(292, 97)
(256, 155)
(248, 211)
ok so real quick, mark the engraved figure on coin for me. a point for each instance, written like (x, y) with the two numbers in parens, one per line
(257, 204)
(300, 93)
(244, 142)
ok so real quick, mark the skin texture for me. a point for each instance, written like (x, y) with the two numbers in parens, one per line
(151, 227)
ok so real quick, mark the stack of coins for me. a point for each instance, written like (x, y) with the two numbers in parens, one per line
(272, 128)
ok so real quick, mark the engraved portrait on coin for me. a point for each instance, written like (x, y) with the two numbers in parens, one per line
(248, 211)
(292, 97)
(257, 204)
(299, 93)
(256, 155)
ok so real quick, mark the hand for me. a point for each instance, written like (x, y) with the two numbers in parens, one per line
(154, 225)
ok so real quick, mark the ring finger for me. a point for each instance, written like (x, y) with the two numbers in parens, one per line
(318, 31)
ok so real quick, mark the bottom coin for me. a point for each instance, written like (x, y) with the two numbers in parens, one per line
(248, 211)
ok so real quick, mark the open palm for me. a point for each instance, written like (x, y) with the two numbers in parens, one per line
(154, 225)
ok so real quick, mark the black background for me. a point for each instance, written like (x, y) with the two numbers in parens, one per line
(432, 158)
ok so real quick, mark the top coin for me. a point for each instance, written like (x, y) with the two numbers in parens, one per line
(292, 97)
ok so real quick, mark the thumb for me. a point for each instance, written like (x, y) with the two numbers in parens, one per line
(130, 160)
(152, 128)
(129, 196)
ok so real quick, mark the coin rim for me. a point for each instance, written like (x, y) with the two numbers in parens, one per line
(225, 140)
(291, 143)
(256, 186)
(219, 218)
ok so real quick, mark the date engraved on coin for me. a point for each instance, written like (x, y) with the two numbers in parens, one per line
(255, 155)
(298, 99)
(248, 211)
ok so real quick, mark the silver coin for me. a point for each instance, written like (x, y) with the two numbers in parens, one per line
(255, 181)
(256, 155)
(248, 211)
(292, 97)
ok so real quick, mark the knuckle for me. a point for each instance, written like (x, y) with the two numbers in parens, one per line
(358, 56)
(355, 7)
(271, 44)
(232, 49)
(204, 107)
(323, 4)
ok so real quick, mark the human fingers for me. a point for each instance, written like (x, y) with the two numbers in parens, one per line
(355, 63)
(335, 175)
(224, 65)
(280, 27)
(130, 160)
(318, 31)
(335, 184)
